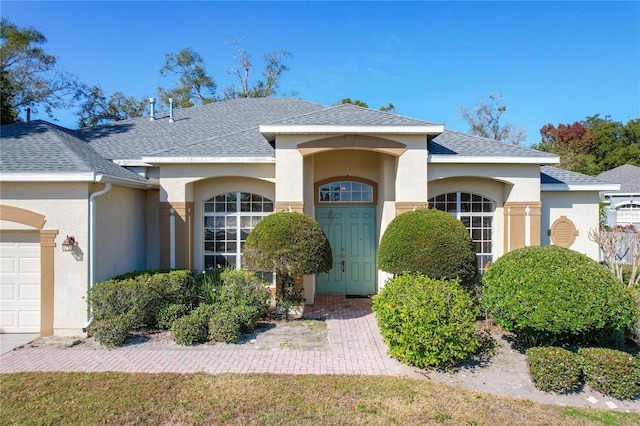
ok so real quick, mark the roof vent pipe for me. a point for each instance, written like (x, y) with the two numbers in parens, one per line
(170, 110)
(152, 102)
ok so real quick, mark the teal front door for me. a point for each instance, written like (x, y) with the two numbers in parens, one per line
(352, 235)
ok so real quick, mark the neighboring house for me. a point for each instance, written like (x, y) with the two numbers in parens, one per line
(623, 206)
(184, 190)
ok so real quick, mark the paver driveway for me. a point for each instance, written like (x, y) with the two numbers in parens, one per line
(355, 347)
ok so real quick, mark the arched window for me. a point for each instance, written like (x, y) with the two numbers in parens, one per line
(345, 191)
(228, 220)
(476, 214)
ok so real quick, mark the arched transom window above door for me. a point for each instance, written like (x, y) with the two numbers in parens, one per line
(346, 190)
(228, 220)
(476, 214)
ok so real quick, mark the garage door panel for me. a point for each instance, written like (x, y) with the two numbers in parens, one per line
(19, 282)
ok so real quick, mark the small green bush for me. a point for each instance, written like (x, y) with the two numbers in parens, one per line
(549, 294)
(611, 372)
(225, 326)
(112, 332)
(431, 242)
(426, 322)
(244, 288)
(169, 313)
(193, 328)
(554, 369)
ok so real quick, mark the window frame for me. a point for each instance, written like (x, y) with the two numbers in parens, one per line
(484, 256)
(232, 222)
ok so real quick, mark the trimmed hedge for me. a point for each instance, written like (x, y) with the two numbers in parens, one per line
(426, 322)
(549, 294)
(112, 332)
(193, 328)
(611, 372)
(554, 369)
(288, 242)
(430, 242)
(169, 313)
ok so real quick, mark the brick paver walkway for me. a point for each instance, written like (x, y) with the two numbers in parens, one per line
(355, 347)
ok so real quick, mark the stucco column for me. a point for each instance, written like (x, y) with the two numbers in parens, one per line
(289, 179)
(521, 224)
(176, 235)
(47, 246)
(411, 179)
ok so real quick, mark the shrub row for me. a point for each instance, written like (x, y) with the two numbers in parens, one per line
(426, 322)
(611, 372)
(240, 298)
(133, 300)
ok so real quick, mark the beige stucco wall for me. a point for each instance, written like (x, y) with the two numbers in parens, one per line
(207, 188)
(581, 207)
(153, 228)
(522, 181)
(66, 208)
(121, 243)
(177, 180)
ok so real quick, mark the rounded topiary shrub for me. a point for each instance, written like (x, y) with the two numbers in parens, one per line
(548, 294)
(288, 242)
(428, 241)
(554, 369)
(426, 322)
(611, 372)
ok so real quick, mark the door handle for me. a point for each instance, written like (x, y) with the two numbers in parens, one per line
(343, 266)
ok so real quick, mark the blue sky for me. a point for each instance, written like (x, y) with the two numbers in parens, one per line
(554, 62)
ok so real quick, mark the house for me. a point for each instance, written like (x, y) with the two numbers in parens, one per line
(623, 205)
(183, 190)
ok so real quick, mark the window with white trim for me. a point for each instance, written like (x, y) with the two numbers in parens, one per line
(228, 220)
(345, 192)
(476, 214)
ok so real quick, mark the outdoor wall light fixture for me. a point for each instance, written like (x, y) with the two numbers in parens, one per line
(69, 244)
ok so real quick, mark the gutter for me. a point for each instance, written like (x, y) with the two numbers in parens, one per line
(92, 246)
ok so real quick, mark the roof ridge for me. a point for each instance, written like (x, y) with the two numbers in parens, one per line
(212, 138)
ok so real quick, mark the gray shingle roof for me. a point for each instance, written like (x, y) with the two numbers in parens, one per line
(219, 129)
(463, 144)
(349, 115)
(38, 147)
(627, 176)
(556, 176)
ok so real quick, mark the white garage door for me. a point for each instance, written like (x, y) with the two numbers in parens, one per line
(19, 282)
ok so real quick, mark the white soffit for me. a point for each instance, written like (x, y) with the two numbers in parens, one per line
(464, 159)
(288, 129)
(576, 187)
(208, 160)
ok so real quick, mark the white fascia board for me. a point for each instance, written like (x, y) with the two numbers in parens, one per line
(288, 129)
(465, 159)
(48, 177)
(131, 163)
(207, 160)
(621, 194)
(564, 187)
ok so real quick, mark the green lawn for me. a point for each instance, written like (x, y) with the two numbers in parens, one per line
(268, 399)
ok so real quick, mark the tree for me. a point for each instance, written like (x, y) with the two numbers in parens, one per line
(289, 244)
(388, 108)
(29, 77)
(194, 85)
(266, 87)
(616, 244)
(96, 109)
(484, 120)
(593, 145)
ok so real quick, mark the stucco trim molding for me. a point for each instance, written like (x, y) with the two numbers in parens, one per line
(407, 206)
(286, 206)
(25, 217)
(522, 222)
(563, 232)
(47, 245)
(371, 143)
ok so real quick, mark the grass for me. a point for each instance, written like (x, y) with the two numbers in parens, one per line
(267, 399)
